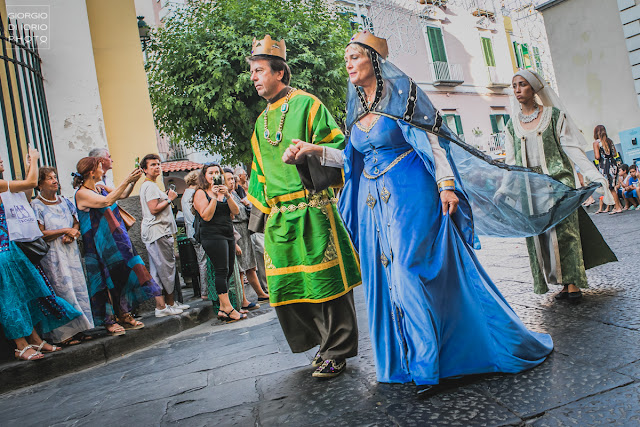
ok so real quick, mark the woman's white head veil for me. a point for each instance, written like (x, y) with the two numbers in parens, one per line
(548, 98)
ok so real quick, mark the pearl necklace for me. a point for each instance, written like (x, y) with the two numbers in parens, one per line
(47, 200)
(284, 109)
(531, 117)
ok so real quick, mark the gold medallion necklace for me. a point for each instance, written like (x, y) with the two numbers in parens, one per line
(284, 109)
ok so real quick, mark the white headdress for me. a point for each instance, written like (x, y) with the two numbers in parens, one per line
(548, 98)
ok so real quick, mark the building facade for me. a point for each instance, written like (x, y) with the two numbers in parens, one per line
(595, 46)
(93, 77)
(463, 54)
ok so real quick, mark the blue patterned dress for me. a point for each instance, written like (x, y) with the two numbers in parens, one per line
(63, 266)
(116, 275)
(433, 311)
(26, 299)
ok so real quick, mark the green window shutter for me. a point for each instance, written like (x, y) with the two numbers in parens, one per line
(537, 59)
(436, 43)
(487, 50)
(518, 53)
(458, 125)
(526, 56)
(494, 123)
(506, 119)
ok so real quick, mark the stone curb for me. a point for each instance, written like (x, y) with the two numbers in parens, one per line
(18, 374)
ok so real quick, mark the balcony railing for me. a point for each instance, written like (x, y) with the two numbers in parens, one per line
(178, 152)
(495, 144)
(496, 79)
(445, 74)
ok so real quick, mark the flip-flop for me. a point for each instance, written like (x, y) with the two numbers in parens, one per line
(252, 306)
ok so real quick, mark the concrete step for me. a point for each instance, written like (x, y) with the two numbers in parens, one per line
(102, 348)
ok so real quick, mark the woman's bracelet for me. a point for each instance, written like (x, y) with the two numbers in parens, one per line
(446, 185)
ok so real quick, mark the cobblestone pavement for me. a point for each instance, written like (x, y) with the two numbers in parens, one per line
(245, 374)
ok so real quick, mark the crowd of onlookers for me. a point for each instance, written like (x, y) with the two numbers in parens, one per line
(56, 289)
(622, 178)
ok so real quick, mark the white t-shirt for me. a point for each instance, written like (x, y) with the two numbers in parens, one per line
(154, 227)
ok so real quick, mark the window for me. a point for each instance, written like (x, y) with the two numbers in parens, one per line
(436, 43)
(523, 58)
(487, 51)
(498, 122)
(538, 60)
(454, 123)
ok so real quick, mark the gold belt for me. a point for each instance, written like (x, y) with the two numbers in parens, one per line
(315, 202)
(388, 168)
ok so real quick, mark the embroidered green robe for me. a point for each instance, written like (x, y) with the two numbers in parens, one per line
(562, 254)
(308, 254)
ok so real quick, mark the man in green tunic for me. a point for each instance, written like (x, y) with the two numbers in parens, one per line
(310, 263)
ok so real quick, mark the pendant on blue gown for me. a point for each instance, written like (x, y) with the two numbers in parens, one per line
(371, 202)
(385, 194)
(384, 260)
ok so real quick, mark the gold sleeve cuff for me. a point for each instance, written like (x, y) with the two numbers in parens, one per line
(447, 183)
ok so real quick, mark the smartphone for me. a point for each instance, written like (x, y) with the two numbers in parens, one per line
(137, 164)
(217, 179)
(172, 187)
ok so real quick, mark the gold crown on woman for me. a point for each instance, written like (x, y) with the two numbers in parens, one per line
(376, 43)
(269, 47)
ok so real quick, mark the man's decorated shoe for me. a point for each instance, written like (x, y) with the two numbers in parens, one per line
(330, 368)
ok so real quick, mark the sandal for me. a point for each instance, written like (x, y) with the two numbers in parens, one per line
(70, 341)
(227, 316)
(251, 306)
(116, 331)
(36, 355)
(40, 347)
(82, 337)
(130, 322)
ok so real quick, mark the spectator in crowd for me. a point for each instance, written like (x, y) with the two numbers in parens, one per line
(242, 182)
(605, 152)
(258, 245)
(245, 251)
(62, 265)
(189, 218)
(25, 299)
(625, 192)
(118, 280)
(631, 190)
(107, 165)
(590, 200)
(157, 230)
(214, 207)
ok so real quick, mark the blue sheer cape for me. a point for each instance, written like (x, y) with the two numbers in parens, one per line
(503, 200)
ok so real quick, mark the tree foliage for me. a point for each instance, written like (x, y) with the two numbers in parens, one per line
(199, 79)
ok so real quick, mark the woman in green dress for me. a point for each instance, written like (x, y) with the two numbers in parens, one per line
(543, 137)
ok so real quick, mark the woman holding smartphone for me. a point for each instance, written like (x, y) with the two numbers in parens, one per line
(214, 206)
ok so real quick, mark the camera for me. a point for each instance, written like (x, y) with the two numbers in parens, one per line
(217, 180)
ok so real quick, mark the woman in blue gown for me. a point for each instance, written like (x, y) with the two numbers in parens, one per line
(434, 312)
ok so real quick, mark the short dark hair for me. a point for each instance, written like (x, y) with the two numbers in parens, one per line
(624, 167)
(43, 173)
(633, 167)
(145, 159)
(276, 65)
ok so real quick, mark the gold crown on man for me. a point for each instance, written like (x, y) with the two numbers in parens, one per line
(269, 47)
(376, 43)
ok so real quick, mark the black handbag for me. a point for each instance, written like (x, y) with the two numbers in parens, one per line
(35, 250)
